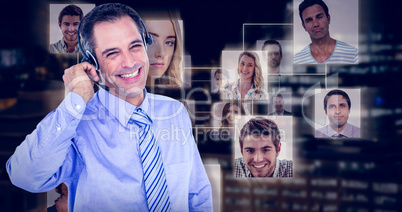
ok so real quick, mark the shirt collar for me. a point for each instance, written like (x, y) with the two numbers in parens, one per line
(276, 172)
(64, 46)
(347, 131)
(245, 168)
(119, 108)
(237, 83)
(236, 88)
(280, 114)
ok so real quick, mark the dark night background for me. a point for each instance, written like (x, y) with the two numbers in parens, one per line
(349, 175)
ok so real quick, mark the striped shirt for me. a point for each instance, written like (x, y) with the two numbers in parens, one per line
(342, 54)
(283, 168)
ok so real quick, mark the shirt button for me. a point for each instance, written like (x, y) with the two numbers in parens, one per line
(58, 128)
(78, 107)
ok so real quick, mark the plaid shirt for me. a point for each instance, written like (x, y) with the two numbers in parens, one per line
(61, 47)
(283, 168)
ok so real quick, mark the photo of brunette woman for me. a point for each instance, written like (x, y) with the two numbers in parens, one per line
(231, 112)
(165, 54)
(250, 82)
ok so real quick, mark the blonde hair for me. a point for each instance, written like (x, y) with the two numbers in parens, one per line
(172, 75)
(258, 80)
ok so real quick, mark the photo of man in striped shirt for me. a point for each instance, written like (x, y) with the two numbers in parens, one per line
(323, 48)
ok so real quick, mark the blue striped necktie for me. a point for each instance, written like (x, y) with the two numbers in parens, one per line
(156, 187)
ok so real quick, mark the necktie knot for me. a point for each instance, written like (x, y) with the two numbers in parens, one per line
(140, 118)
(338, 136)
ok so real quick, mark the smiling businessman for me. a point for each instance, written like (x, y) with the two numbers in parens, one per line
(106, 146)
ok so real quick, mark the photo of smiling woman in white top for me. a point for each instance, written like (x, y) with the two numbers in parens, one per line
(250, 84)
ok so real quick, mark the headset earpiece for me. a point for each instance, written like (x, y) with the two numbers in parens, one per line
(90, 58)
(148, 38)
(87, 56)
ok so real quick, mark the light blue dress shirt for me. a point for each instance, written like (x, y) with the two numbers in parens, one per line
(350, 131)
(94, 149)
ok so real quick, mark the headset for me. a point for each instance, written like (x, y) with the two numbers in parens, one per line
(89, 57)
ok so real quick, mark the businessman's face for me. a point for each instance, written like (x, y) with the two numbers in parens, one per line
(274, 56)
(122, 57)
(278, 104)
(337, 111)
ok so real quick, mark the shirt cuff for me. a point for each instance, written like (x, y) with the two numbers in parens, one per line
(74, 104)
